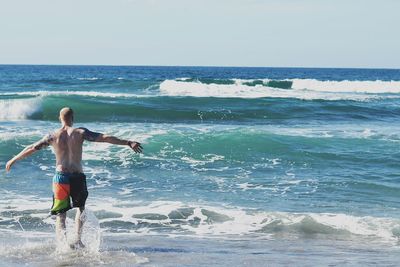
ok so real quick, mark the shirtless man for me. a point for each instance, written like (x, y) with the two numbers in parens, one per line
(69, 182)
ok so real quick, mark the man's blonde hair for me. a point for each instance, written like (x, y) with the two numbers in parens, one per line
(67, 114)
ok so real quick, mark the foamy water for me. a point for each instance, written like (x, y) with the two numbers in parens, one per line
(301, 88)
(19, 109)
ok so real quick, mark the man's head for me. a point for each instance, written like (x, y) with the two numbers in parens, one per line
(67, 116)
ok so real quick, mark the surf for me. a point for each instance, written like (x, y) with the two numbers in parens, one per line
(178, 107)
(19, 109)
(306, 89)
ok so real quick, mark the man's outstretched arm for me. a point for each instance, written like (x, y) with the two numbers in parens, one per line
(99, 137)
(29, 150)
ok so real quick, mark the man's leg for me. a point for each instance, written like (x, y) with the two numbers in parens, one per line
(78, 226)
(61, 232)
(79, 195)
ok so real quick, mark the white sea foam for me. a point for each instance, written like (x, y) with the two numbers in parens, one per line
(39, 250)
(19, 109)
(216, 221)
(375, 87)
(207, 158)
(301, 88)
(89, 78)
(13, 133)
(203, 220)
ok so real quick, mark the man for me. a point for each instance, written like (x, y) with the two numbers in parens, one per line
(69, 182)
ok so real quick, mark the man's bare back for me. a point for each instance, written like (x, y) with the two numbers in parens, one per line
(67, 143)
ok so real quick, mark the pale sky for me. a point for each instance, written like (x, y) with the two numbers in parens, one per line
(270, 33)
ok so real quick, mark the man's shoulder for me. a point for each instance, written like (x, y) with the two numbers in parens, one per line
(89, 135)
(81, 131)
(44, 142)
(50, 135)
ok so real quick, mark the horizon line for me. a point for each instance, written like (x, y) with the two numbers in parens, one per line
(194, 66)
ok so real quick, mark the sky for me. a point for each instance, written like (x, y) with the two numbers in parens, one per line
(261, 33)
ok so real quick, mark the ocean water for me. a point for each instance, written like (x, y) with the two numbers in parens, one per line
(241, 166)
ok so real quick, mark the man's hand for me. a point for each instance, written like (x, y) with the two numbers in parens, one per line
(9, 164)
(136, 146)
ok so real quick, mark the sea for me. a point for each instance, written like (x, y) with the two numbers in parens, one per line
(241, 166)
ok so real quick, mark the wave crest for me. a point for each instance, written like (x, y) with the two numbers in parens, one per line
(308, 89)
(19, 109)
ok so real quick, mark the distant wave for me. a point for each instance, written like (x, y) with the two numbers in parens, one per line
(372, 87)
(72, 93)
(104, 106)
(305, 89)
(308, 89)
(309, 84)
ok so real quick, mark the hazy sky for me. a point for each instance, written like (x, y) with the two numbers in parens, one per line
(277, 33)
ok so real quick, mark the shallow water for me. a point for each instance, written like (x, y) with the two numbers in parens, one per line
(159, 250)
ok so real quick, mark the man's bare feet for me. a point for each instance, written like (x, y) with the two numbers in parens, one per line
(77, 245)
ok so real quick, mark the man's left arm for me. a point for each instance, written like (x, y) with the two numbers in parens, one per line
(29, 150)
(99, 137)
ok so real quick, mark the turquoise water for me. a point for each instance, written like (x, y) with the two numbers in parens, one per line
(291, 158)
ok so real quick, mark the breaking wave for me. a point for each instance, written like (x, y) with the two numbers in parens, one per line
(18, 109)
(178, 105)
(177, 218)
(308, 89)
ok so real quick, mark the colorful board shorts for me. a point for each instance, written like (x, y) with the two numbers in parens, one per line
(69, 191)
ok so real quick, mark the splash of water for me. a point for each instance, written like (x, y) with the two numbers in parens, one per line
(91, 234)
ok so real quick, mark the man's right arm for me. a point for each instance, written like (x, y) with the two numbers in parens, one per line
(99, 137)
(29, 150)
